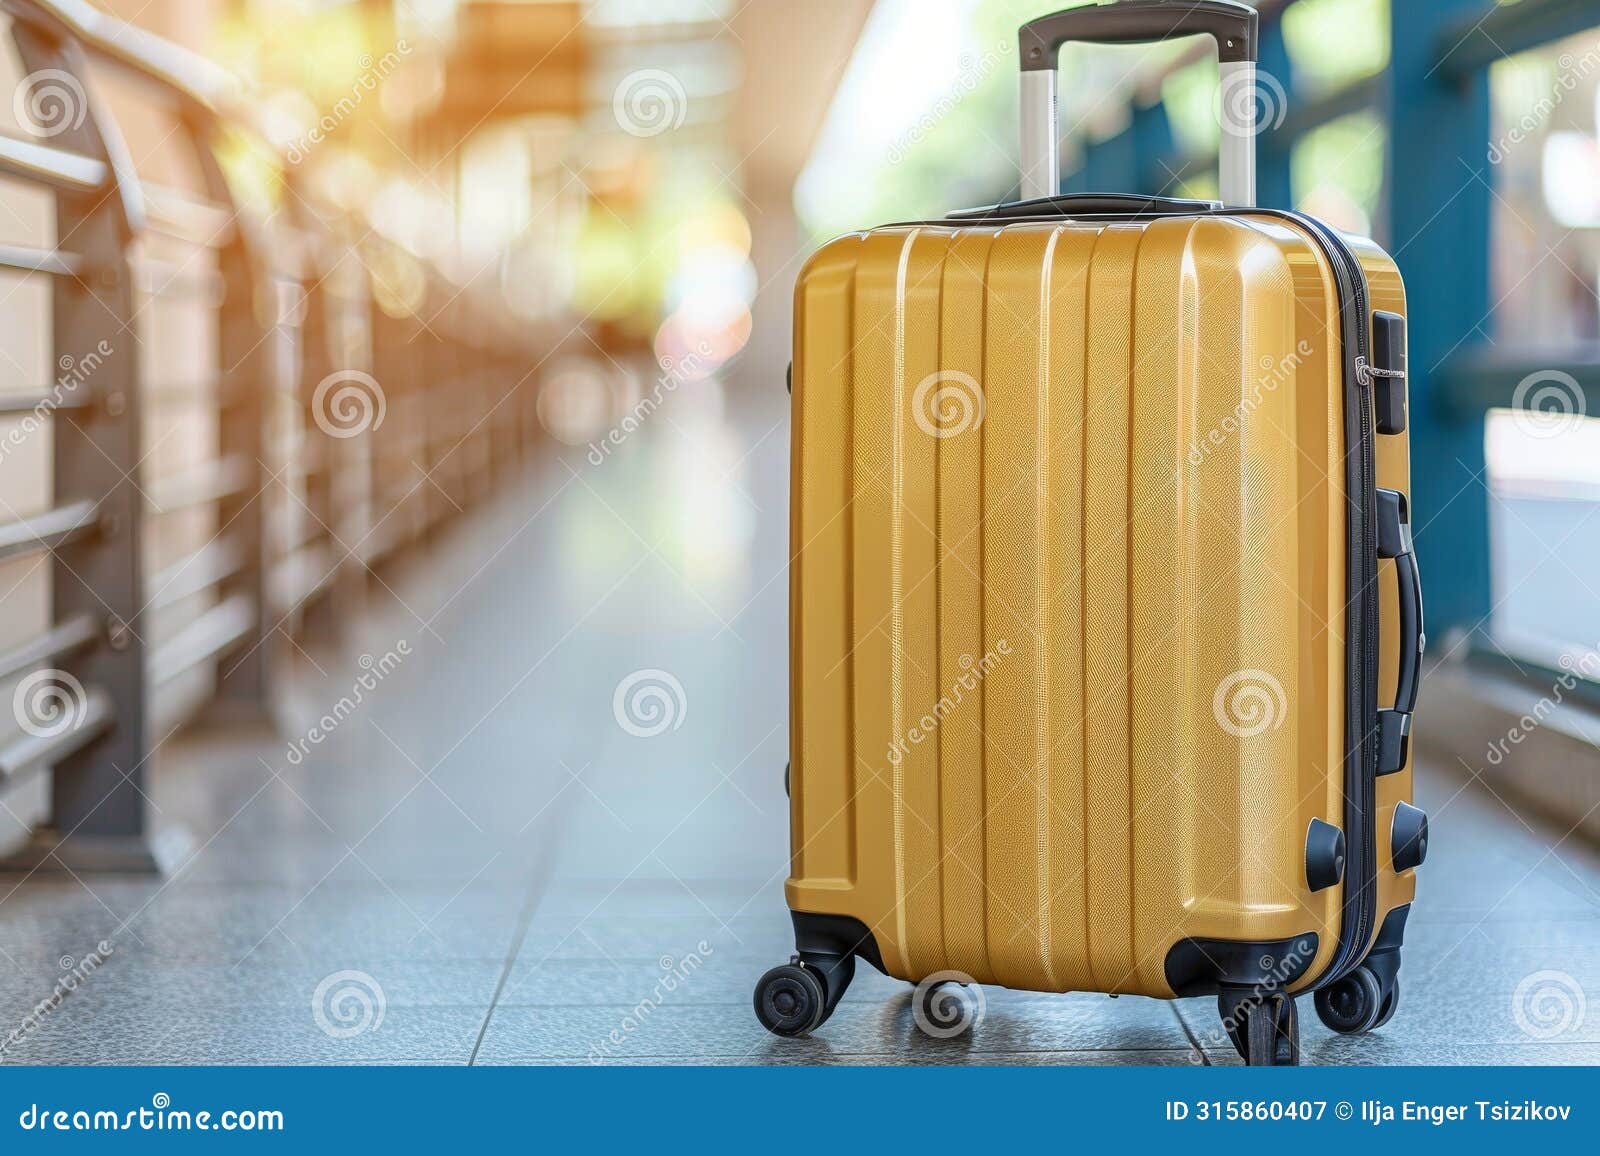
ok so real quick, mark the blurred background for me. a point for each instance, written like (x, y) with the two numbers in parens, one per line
(393, 496)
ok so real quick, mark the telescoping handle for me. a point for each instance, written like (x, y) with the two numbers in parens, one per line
(1232, 25)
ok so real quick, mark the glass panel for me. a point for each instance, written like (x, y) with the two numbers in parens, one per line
(1205, 187)
(1189, 95)
(923, 118)
(1336, 171)
(1545, 167)
(1360, 28)
(1544, 487)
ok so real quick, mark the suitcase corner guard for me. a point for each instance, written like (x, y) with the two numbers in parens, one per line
(1208, 966)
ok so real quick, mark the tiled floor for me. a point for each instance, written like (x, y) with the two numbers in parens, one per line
(481, 866)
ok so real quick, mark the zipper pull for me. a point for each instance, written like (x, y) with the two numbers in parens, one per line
(1366, 373)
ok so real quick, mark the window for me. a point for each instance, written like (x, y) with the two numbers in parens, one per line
(1545, 168)
(1336, 171)
(1360, 28)
(1544, 524)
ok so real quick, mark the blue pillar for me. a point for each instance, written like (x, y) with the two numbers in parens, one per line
(1276, 78)
(1112, 165)
(1154, 153)
(1129, 162)
(1439, 231)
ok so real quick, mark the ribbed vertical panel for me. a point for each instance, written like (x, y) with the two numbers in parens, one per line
(916, 775)
(823, 777)
(963, 635)
(1267, 517)
(1012, 595)
(1063, 467)
(1163, 630)
(879, 676)
(1107, 806)
(1246, 832)
(1043, 519)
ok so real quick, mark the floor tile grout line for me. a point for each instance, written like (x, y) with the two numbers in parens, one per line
(1194, 1042)
(897, 1058)
(543, 867)
(518, 937)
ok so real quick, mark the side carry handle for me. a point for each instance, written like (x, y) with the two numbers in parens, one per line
(1233, 26)
(1394, 541)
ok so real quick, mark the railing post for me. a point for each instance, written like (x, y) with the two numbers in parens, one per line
(396, 487)
(253, 356)
(97, 802)
(344, 410)
(442, 425)
(479, 379)
(351, 343)
(331, 418)
(502, 394)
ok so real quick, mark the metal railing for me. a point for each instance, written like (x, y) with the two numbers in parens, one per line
(317, 472)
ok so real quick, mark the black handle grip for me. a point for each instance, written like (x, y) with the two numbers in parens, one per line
(1088, 204)
(1411, 638)
(1394, 541)
(1232, 25)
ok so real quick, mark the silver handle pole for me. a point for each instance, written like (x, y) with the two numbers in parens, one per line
(1041, 143)
(1236, 153)
(1041, 146)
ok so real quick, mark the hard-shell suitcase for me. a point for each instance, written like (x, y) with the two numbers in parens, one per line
(1101, 569)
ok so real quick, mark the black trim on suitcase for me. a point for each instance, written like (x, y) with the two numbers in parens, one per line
(1384, 959)
(828, 946)
(1209, 966)
(835, 935)
(1080, 204)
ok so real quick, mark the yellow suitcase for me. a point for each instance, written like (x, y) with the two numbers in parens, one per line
(1101, 568)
